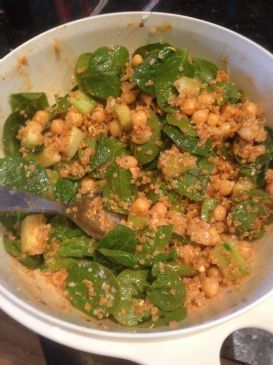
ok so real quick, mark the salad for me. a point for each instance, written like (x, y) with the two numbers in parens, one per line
(173, 147)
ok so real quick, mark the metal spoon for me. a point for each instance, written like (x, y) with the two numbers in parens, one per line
(94, 222)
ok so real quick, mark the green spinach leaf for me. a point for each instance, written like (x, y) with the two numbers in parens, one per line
(188, 143)
(107, 149)
(119, 238)
(28, 103)
(15, 172)
(102, 77)
(11, 128)
(93, 288)
(204, 70)
(119, 191)
(167, 292)
(244, 214)
(65, 190)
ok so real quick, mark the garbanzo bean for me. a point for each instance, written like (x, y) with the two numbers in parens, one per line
(141, 206)
(137, 60)
(115, 128)
(57, 126)
(88, 185)
(74, 117)
(210, 286)
(159, 209)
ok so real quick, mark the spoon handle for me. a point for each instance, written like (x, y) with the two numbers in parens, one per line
(12, 200)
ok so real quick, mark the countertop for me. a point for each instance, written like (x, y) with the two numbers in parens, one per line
(20, 20)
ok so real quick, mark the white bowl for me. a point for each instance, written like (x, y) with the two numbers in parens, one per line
(50, 58)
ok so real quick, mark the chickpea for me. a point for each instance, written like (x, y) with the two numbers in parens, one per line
(249, 108)
(115, 128)
(137, 60)
(41, 117)
(75, 118)
(219, 213)
(139, 117)
(213, 119)
(247, 134)
(128, 97)
(189, 106)
(210, 286)
(57, 126)
(206, 99)
(127, 162)
(98, 115)
(141, 206)
(214, 272)
(226, 187)
(159, 209)
(87, 185)
(200, 116)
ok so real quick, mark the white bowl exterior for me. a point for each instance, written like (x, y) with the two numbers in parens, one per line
(51, 57)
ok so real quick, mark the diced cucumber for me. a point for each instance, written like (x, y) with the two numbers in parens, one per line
(188, 86)
(229, 261)
(75, 138)
(32, 135)
(47, 157)
(123, 114)
(138, 222)
(33, 234)
(82, 102)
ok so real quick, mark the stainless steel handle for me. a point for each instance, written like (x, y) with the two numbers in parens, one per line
(12, 200)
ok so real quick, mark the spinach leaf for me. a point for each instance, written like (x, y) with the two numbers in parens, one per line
(204, 70)
(144, 51)
(229, 261)
(167, 292)
(92, 288)
(207, 208)
(56, 263)
(72, 241)
(186, 142)
(102, 77)
(119, 191)
(165, 318)
(230, 93)
(28, 103)
(194, 182)
(13, 247)
(77, 247)
(59, 108)
(119, 238)
(132, 284)
(149, 151)
(107, 149)
(81, 66)
(65, 190)
(183, 124)
(163, 84)
(15, 172)
(120, 257)
(11, 128)
(156, 240)
(244, 214)
(62, 229)
(12, 221)
(146, 73)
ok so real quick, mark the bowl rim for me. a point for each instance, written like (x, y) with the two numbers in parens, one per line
(22, 307)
